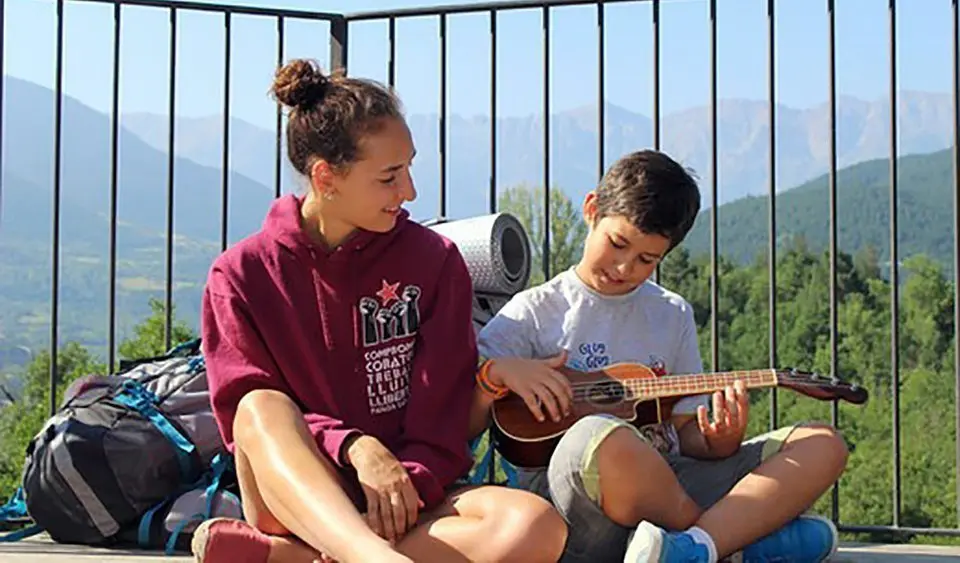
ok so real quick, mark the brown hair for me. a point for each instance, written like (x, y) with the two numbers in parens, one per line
(652, 191)
(329, 114)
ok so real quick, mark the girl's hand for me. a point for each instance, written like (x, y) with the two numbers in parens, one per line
(392, 500)
(537, 382)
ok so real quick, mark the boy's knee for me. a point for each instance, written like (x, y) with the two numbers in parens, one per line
(831, 447)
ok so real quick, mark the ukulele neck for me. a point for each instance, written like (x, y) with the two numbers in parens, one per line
(697, 384)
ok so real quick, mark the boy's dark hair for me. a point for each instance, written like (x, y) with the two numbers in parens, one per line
(329, 114)
(652, 191)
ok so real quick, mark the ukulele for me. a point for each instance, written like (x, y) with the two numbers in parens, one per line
(634, 393)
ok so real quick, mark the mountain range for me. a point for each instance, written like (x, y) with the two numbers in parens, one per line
(28, 164)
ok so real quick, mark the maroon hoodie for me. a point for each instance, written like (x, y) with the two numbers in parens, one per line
(375, 337)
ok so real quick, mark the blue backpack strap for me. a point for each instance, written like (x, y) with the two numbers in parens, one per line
(218, 466)
(135, 396)
(16, 509)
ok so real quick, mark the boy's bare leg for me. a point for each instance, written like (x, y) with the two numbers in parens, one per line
(627, 499)
(812, 458)
(293, 496)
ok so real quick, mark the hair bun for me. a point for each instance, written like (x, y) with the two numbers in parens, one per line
(300, 84)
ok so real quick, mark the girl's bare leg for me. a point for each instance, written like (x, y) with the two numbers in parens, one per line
(290, 488)
(294, 494)
(488, 523)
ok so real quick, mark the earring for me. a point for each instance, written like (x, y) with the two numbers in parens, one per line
(328, 196)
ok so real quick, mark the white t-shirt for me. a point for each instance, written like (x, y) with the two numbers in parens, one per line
(649, 325)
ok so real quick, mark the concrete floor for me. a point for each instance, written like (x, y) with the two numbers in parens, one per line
(41, 550)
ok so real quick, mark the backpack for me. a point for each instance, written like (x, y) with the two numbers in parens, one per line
(130, 458)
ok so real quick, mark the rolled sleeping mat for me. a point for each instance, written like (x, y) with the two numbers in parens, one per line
(496, 249)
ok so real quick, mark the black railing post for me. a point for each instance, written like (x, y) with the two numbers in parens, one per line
(55, 243)
(278, 148)
(338, 43)
(832, 79)
(894, 267)
(392, 52)
(955, 95)
(601, 95)
(442, 125)
(171, 169)
(546, 142)
(2, 81)
(655, 21)
(225, 152)
(714, 172)
(493, 112)
(114, 169)
(772, 195)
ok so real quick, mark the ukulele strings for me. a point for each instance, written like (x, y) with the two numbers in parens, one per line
(639, 387)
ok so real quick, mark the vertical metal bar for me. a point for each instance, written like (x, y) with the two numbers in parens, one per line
(55, 266)
(2, 29)
(225, 155)
(546, 142)
(392, 62)
(656, 74)
(714, 281)
(338, 44)
(656, 93)
(442, 134)
(772, 266)
(955, 94)
(493, 111)
(171, 167)
(894, 266)
(601, 95)
(114, 168)
(278, 156)
(832, 80)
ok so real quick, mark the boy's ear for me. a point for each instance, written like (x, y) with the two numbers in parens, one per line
(590, 208)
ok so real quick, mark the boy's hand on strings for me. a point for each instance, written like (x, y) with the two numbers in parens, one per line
(730, 410)
(537, 382)
(392, 500)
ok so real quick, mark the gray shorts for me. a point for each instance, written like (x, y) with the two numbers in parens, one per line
(571, 483)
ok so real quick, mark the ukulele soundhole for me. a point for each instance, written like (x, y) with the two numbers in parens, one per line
(606, 393)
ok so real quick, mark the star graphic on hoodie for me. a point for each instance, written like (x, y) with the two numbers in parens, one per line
(388, 292)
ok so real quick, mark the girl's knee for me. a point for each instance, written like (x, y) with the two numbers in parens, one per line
(254, 407)
(525, 527)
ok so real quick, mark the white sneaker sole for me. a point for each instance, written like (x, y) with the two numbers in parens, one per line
(646, 544)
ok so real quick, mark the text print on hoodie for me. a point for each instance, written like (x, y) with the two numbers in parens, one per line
(375, 336)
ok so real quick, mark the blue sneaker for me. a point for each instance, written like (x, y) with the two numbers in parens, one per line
(808, 539)
(650, 544)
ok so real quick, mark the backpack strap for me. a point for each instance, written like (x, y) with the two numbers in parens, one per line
(212, 480)
(137, 397)
(14, 510)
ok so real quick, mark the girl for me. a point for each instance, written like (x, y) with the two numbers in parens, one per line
(341, 358)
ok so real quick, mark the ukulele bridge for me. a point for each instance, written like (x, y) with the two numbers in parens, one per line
(606, 393)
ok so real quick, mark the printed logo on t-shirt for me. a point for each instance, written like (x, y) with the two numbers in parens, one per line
(657, 365)
(592, 355)
(388, 323)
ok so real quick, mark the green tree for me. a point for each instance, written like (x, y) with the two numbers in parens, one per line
(149, 336)
(568, 230)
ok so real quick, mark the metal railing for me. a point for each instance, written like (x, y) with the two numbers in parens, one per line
(338, 44)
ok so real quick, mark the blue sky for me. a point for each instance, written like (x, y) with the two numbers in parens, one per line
(862, 32)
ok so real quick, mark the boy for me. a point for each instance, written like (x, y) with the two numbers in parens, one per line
(687, 488)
